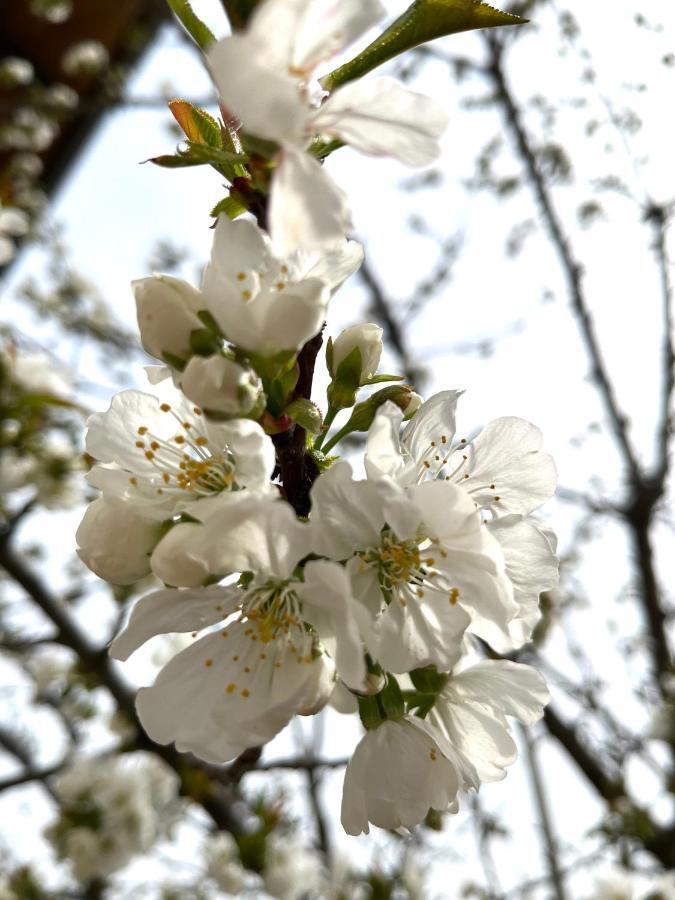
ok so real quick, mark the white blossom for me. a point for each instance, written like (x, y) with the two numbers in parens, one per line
(504, 472)
(224, 864)
(159, 454)
(291, 871)
(167, 309)
(266, 304)
(420, 561)
(368, 339)
(110, 810)
(399, 771)
(222, 386)
(471, 709)
(265, 77)
(237, 686)
(115, 542)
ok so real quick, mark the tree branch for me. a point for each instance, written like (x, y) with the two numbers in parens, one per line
(216, 803)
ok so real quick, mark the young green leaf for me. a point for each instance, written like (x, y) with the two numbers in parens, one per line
(197, 124)
(200, 33)
(424, 20)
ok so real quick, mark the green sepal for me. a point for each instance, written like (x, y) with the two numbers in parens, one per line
(245, 579)
(207, 318)
(342, 390)
(200, 33)
(306, 414)
(429, 680)
(391, 699)
(197, 124)
(329, 355)
(231, 206)
(174, 361)
(424, 20)
(370, 712)
(204, 342)
(380, 379)
(279, 390)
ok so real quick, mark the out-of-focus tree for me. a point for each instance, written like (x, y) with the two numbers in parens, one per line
(558, 170)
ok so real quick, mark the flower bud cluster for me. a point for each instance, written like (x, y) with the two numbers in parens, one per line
(300, 583)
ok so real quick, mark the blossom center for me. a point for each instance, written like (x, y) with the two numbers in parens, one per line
(185, 463)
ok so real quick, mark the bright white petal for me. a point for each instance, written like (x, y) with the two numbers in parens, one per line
(332, 264)
(265, 99)
(385, 455)
(531, 566)
(223, 694)
(115, 542)
(380, 117)
(511, 688)
(346, 514)
(171, 611)
(306, 207)
(432, 428)
(328, 605)
(506, 460)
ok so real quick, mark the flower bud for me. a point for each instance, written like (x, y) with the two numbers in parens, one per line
(167, 310)
(363, 414)
(115, 543)
(220, 385)
(414, 404)
(368, 339)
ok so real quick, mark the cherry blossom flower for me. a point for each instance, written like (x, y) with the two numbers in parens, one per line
(471, 709)
(237, 686)
(420, 561)
(399, 771)
(167, 309)
(264, 76)
(266, 304)
(160, 454)
(504, 472)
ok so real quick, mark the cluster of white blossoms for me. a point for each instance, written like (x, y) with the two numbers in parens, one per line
(110, 810)
(621, 884)
(300, 582)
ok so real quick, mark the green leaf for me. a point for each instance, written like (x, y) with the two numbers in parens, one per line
(200, 33)
(380, 379)
(198, 125)
(231, 206)
(428, 680)
(197, 154)
(391, 699)
(305, 413)
(424, 20)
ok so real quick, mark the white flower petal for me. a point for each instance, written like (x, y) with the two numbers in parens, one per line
(506, 460)
(172, 611)
(328, 605)
(332, 265)
(115, 542)
(385, 457)
(397, 773)
(346, 514)
(433, 425)
(380, 117)
(511, 688)
(264, 98)
(306, 207)
(531, 566)
(220, 696)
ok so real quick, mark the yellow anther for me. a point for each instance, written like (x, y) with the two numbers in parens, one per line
(433, 755)
(235, 658)
(166, 478)
(280, 285)
(149, 454)
(231, 688)
(142, 429)
(454, 596)
(241, 276)
(208, 663)
(133, 481)
(246, 295)
(201, 441)
(165, 407)
(444, 439)
(179, 439)
(247, 669)
(246, 693)
(140, 444)
(154, 445)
